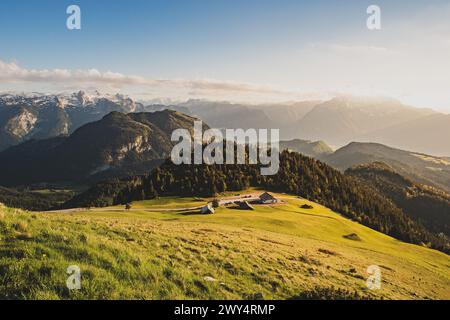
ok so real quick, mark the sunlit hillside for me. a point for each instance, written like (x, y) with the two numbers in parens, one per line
(164, 249)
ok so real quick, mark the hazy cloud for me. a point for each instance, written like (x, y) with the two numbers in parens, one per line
(13, 73)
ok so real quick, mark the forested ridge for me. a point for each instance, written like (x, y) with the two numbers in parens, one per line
(426, 204)
(299, 175)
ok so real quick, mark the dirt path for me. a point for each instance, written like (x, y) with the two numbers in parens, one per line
(74, 210)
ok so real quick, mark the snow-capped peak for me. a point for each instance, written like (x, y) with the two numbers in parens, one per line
(80, 99)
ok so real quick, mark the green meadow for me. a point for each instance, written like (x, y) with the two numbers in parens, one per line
(160, 249)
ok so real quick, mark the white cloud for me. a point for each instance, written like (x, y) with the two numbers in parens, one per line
(12, 72)
(64, 78)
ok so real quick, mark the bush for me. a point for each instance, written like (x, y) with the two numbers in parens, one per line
(352, 236)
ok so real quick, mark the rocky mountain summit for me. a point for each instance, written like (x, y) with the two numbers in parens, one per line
(40, 116)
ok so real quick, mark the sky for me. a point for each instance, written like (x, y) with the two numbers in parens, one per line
(246, 50)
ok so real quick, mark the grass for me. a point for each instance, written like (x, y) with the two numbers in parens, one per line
(168, 203)
(274, 252)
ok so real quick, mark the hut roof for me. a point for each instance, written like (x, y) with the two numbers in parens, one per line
(245, 205)
(267, 196)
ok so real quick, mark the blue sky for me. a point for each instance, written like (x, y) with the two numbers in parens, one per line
(165, 33)
(290, 48)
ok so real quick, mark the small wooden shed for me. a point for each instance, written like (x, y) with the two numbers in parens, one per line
(208, 209)
(267, 198)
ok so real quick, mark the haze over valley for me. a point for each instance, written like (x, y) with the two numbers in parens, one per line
(338, 121)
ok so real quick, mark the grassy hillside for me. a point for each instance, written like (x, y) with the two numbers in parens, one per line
(279, 251)
(297, 174)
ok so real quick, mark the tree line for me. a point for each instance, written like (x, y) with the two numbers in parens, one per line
(299, 175)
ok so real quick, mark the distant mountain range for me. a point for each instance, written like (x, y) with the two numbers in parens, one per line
(117, 145)
(346, 119)
(313, 149)
(425, 169)
(338, 121)
(430, 134)
(72, 136)
(284, 116)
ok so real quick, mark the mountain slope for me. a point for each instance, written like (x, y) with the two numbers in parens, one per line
(227, 115)
(429, 134)
(283, 116)
(16, 124)
(37, 116)
(425, 169)
(428, 205)
(119, 144)
(345, 118)
(337, 121)
(298, 175)
(278, 252)
(308, 148)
